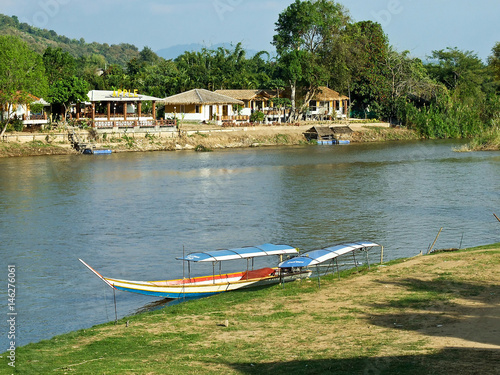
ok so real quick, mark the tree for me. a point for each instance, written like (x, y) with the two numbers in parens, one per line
(22, 75)
(304, 34)
(68, 91)
(91, 68)
(494, 63)
(407, 81)
(461, 71)
(157, 80)
(464, 102)
(58, 64)
(368, 56)
(148, 56)
(222, 68)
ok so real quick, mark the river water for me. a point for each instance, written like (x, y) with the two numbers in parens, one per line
(130, 214)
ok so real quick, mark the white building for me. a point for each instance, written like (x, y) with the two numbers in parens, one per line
(25, 112)
(201, 105)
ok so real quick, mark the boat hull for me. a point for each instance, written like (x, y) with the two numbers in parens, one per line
(201, 287)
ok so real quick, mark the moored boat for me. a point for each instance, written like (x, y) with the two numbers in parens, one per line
(201, 286)
(93, 151)
(329, 254)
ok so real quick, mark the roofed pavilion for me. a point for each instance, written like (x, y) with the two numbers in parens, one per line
(109, 108)
(329, 102)
(201, 105)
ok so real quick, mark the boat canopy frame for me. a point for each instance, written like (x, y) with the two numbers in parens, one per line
(246, 252)
(331, 253)
(239, 253)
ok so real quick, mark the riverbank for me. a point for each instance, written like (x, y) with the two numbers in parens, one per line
(489, 141)
(203, 138)
(427, 314)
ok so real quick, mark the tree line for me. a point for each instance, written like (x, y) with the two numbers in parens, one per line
(452, 94)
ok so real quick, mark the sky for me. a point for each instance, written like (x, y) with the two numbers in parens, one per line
(419, 26)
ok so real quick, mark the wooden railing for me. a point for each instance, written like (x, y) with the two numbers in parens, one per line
(133, 124)
(32, 116)
(234, 118)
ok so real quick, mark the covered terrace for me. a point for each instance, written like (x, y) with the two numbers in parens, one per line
(120, 109)
(328, 103)
(202, 105)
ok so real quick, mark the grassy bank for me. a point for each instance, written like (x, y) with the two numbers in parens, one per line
(429, 314)
(204, 140)
(488, 141)
(33, 148)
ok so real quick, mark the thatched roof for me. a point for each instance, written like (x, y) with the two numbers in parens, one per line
(325, 94)
(246, 94)
(327, 132)
(341, 130)
(200, 96)
(321, 131)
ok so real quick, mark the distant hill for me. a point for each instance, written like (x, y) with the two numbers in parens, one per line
(39, 39)
(170, 53)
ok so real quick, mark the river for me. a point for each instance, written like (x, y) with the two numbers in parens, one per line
(130, 214)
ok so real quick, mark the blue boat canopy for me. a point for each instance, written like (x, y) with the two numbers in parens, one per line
(239, 253)
(314, 257)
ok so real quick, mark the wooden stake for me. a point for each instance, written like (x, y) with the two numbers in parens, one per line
(114, 298)
(430, 248)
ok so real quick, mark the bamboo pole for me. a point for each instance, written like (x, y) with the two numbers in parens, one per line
(430, 248)
(319, 276)
(114, 299)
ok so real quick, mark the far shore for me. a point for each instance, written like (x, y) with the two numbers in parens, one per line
(195, 137)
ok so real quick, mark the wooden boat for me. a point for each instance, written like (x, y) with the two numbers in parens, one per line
(331, 253)
(201, 286)
(93, 151)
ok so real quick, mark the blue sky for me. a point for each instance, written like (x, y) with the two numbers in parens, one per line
(419, 26)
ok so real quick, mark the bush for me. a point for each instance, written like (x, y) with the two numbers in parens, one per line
(14, 125)
(444, 120)
(201, 148)
(257, 116)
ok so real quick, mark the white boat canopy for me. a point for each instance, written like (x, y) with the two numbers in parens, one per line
(239, 253)
(315, 257)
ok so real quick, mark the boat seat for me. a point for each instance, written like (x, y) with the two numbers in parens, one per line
(255, 274)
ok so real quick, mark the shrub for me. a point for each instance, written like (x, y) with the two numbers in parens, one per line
(257, 116)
